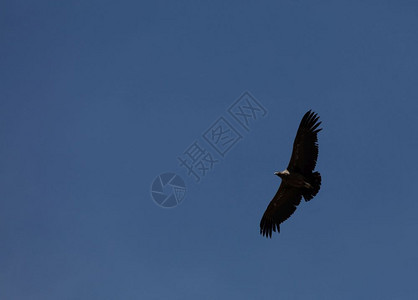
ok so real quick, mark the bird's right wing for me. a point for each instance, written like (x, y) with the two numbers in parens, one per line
(280, 209)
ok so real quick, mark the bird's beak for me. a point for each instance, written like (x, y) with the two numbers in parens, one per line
(276, 173)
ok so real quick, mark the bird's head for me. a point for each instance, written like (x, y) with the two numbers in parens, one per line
(282, 174)
(278, 174)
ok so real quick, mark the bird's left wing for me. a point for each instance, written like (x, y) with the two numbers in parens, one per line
(305, 145)
(280, 209)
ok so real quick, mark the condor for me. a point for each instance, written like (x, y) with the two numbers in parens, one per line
(298, 180)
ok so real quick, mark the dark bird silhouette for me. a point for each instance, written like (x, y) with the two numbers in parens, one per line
(298, 179)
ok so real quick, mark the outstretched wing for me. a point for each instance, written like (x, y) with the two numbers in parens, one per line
(305, 146)
(280, 209)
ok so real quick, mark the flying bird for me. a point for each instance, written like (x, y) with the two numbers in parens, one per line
(298, 180)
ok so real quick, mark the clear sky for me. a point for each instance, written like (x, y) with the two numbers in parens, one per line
(98, 98)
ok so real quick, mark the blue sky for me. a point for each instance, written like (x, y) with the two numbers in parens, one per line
(97, 98)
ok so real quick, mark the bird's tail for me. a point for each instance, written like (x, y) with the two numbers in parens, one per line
(315, 181)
